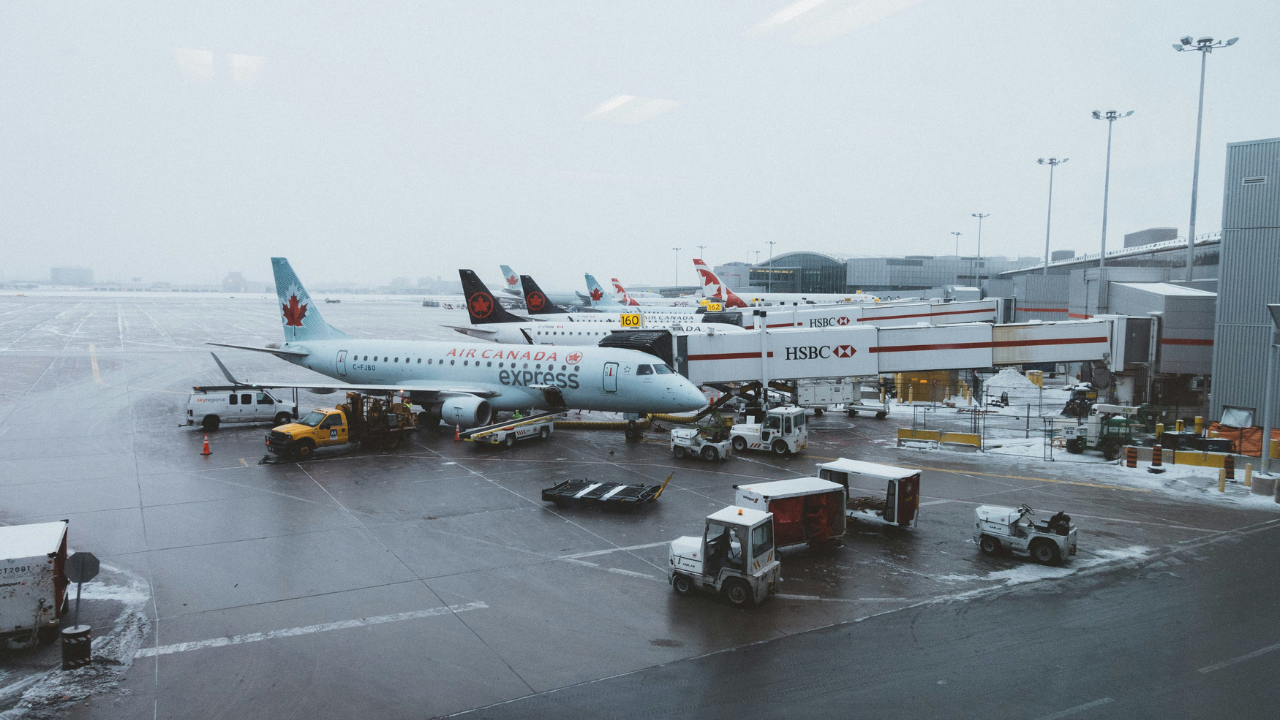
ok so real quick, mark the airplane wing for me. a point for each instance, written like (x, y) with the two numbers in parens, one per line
(417, 386)
(278, 352)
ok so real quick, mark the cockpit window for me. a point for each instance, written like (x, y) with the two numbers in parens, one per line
(644, 369)
(662, 369)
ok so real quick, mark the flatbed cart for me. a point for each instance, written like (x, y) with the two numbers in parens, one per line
(606, 494)
(509, 431)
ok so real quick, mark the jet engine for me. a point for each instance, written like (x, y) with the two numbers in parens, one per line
(466, 410)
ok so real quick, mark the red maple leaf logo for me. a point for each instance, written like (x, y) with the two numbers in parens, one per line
(512, 280)
(480, 305)
(573, 358)
(293, 312)
(536, 301)
(596, 294)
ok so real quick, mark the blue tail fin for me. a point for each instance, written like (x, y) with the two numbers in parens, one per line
(298, 314)
(598, 296)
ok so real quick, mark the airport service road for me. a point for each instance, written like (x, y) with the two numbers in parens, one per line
(432, 580)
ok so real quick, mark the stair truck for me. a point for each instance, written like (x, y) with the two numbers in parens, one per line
(735, 557)
(805, 510)
(369, 422)
(901, 502)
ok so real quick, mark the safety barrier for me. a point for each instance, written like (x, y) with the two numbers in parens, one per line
(1201, 459)
(953, 438)
(933, 436)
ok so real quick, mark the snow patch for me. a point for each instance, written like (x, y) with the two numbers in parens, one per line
(1009, 379)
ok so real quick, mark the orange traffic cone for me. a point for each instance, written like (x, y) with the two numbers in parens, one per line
(206, 446)
(457, 432)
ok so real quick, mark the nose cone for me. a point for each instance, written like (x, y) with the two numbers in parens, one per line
(687, 396)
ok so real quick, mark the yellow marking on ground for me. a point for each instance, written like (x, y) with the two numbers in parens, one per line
(242, 462)
(93, 360)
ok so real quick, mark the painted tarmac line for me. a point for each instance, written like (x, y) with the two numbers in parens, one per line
(1242, 658)
(594, 553)
(935, 502)
(632, 573)
(306, 630)
(957, 471)
(1077, 709)
(843, 600)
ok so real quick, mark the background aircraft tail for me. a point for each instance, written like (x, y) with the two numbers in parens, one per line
(482, 306)
(620, 293)
(715, 290)
(598, 296)
(536, 300)
(512, 279)
(299, 315)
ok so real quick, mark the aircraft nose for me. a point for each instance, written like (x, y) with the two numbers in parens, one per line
(689, 396)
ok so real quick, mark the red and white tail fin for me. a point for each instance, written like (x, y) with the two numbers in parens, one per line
(620, 294)
(714, 289)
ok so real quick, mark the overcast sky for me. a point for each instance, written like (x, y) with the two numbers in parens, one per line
(179, 141)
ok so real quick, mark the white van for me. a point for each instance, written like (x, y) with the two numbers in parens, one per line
(211, 408)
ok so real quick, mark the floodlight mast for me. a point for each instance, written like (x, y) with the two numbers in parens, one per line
(1048, 223)
(977, 267)
(1111, 116)
(1204, 46)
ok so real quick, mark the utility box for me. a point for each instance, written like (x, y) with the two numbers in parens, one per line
(33, 581)
(821, 393)
(805, 510)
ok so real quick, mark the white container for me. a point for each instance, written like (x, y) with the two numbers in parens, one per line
(33, 583)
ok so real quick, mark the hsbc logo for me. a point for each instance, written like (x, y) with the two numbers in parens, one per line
(820, 352)
(828, 322)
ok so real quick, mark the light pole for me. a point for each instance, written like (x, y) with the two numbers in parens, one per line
(700, 249)
(1272, 348)
(1111, 116)
(677, 265)
(1048, 223)
(1204, 46)
(957, 242)
(770, 283)
(977, 268)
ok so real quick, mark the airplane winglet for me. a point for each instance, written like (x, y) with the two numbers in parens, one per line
(225, 372)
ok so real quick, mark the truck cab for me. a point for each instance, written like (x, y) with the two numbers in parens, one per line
(735, 557)
(319, 428)
(211, 408)
(783, 432)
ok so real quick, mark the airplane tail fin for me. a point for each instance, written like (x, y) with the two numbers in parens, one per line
(513, 280)
(714, 289)
(299, 315)
(482, 306)
(536, 300)
(597, 293)
(620, 293)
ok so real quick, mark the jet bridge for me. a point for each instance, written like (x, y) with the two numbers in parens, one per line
(881, 314)
(851, 351)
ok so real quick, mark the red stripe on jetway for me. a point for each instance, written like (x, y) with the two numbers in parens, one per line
(928, 314)
(1042, 309)
(727, 356)
(789, 324)
(1078, 316)
(941, 346)
(1184, 341)
(1049, 341)
(996, 344)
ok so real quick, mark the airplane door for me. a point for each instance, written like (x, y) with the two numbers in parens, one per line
(342, 362)
(611, 377)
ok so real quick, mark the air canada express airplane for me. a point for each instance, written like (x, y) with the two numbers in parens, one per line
(465, 383)
(490, 321)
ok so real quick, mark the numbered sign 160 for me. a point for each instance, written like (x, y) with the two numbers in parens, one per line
(631, 320)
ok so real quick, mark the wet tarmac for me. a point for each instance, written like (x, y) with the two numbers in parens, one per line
(432, 580)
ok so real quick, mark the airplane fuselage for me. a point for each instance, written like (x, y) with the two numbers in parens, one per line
(608, 379)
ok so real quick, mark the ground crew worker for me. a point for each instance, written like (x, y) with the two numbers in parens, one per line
(516, 415)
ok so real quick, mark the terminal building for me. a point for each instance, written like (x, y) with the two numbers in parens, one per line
(811, 272)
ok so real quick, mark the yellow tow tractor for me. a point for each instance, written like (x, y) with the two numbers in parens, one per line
(369, 422)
